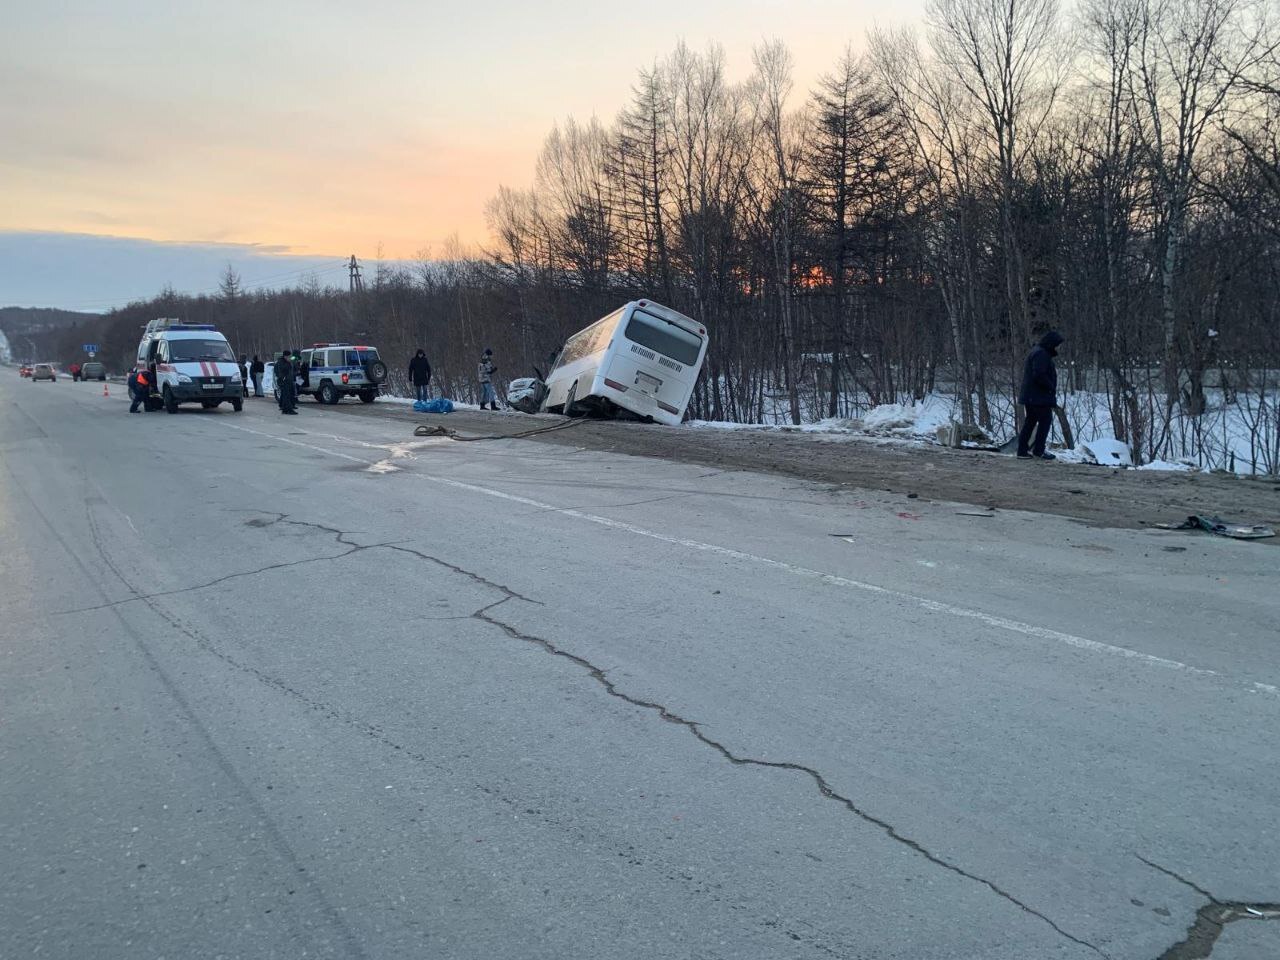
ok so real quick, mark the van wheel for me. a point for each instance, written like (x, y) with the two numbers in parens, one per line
(237, 404)
(170, 404)
(569, 409)
(327, 393)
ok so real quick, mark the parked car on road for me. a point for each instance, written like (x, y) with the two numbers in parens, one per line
(44, 371)
(331, 371)
(93, 371)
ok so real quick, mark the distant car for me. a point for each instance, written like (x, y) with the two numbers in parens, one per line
(44, 371)
(93, 371)
(24, 370)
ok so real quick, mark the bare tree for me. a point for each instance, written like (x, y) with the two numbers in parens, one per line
(1008, 56)
(1191, 57)
(943, 133)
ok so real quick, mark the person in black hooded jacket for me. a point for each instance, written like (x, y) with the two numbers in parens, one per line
(1038, 396)
(420, 375)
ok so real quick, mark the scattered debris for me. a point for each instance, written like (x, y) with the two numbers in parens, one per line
(958, 434)
(975, 513)
(1107, 451)
(1223, 528)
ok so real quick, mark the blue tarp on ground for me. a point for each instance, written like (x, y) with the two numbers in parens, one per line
(438, 405)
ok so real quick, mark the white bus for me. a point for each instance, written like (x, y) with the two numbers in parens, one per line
(643, 358)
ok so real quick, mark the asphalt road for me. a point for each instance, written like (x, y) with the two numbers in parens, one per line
(311, 687)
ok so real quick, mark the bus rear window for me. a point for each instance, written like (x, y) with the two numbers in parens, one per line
(663, 337)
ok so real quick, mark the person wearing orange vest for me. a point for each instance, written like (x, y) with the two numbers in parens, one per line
(139, 388)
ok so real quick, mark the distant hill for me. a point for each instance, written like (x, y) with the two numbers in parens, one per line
(33, 333)
(23, 320)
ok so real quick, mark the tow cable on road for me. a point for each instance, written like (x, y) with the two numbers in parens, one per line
(424, 430)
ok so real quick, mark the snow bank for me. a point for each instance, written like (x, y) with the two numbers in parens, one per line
(920, 419)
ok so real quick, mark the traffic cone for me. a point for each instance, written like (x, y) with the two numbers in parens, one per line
(104, 389)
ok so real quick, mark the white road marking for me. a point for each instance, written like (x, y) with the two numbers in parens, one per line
(934, 606)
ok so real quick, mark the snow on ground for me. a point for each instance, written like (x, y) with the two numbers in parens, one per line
(918, 421)
(914, 420)
(1226, 442)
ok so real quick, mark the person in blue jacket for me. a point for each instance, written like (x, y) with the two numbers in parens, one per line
(1038, 396)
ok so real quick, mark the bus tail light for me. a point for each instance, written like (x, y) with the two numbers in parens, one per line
(615, 384)
(669, 408)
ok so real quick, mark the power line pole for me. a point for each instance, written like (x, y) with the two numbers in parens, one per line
(355, 281)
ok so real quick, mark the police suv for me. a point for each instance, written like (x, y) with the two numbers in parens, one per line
(192, 363)
(330, 371)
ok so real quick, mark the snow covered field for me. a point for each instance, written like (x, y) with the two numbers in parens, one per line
(1222, 439)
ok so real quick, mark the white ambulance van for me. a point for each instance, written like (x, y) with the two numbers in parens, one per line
(192, 363)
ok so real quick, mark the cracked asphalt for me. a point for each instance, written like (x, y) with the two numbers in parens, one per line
(315, 687)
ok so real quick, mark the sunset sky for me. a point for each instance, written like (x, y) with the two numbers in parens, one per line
(319, 128)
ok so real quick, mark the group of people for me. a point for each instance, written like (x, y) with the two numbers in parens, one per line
(252, 371)
(420, 377)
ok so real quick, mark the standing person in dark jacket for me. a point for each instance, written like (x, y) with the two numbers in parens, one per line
(1038, 396)
(286, 384)
(420, 375)
(256, 369)
(244, 374)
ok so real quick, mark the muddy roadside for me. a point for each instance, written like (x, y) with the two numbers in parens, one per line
(1097, 495)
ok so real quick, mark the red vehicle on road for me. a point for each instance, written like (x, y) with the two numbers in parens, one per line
(24, 370)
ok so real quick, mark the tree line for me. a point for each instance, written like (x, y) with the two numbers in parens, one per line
(911, 224)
